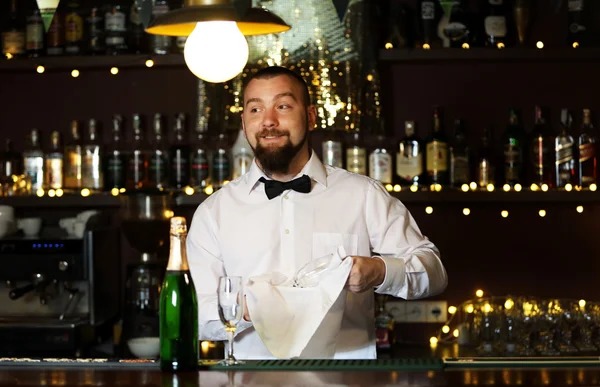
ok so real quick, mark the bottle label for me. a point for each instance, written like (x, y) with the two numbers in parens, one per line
(539, 153)
(380, 167)
(221, 167)
(136, 165)
(115, 171)
(409, 167)
(564, 153)
(54, 172)
(332, 153)
(495, 26)
(160, 43)
(575, 5)
(512, 154)
(34, 168)
(437, 157)
(241, 163)
(486, 173)
(428, 10)
(114, 22)
(73, 167)
(91, 168)
(586, 151)
(134, 15)
(460, 169)
(158, 169)
(200, 168)
(179, 167)
(35, 36)
(356, 160)
(13, 43)
(74, 27)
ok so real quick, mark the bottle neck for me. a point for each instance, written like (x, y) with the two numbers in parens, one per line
(178, 256)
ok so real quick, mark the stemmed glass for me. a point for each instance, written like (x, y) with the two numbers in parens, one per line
(231, 309)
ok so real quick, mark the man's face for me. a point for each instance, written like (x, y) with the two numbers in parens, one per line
(276, 122)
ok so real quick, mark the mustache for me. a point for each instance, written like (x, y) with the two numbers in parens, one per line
(272, 132)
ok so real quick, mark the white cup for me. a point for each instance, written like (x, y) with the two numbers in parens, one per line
(86, 215)
(67, 224)
(78, 229)
(7, 227)
(7, 213)
(31, 226)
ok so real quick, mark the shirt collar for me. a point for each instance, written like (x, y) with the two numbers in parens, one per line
(314, 168)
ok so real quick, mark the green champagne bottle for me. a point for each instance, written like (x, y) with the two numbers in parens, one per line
(178, 307)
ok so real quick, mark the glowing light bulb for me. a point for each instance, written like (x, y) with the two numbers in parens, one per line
(149, 63)
(545, 187)
(518, 187)
(452, 309)
(75, 73)
(389, 187)
(506, 187)
(542, 213)
(568, 187)
(189, 190)
(580, 209)
(466, 46)
(40, 69)
(593, 187)
(473, 186)
(429, 210)
(582, 303)
(466, 211)
(504, 214)
(414, 188)
(455, 333)
(540, 44)
(479, 293)
(114, 192)
(397, 188)
(114, 70)
(209, 190)
(85, 192)
(59, 192)
(216, 51)
(445, 329)
(464, 187)
(426, 46)
(490, 187)
(40, 192)
(433, 340)
(509, 303)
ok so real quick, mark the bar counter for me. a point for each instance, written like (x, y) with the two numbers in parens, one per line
(404, 371)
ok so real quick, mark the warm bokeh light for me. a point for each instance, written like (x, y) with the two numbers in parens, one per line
(414, 188)
(506, 187)
(40, 69)
(518, 187)
(452, 309)
(593, 187)
(542, 213)
(114, 70)
(466, 211)
(490, 187)
(579, 209)
(59, 192)
(40, 192)
(504, 214)
(149, 63)
(473, 186)
(540, 44)
(114, 192)
(568, 187)
(75, 73)
(189, 190)
(479, 293)
(445, 329)
(429, 210)
(85, 192)
(464, 187)
(509, 303)
(209, 190)
(545, 187)
(397, 188)
(389, 187)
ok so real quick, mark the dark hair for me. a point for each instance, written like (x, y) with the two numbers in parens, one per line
(274, 71)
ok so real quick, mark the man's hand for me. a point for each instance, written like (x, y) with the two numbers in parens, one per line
(246, 313)
(366, 273)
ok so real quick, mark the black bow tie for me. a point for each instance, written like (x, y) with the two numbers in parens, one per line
(274, 188)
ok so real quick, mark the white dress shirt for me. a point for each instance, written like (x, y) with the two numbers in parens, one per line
(238, 231)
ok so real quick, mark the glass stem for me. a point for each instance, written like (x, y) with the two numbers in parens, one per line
(230, 333)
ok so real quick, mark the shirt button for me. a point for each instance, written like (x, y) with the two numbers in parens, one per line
(286, 197)
(287, 230)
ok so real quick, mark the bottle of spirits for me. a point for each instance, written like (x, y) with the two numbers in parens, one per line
(578, 33)
(11, 161)
(91, 169)
(380, 160)
(513, 144)
(13, 32)
(542, 146)
(115, 170)
(158, 163)
(495, 24)
(160, 44)
(33, 161)
(115, 26)
(178, 307)
(384, 328)
(54, 163)
(436, 148)
(73, 159)
(242, 155)
(486, 161)
(221, 162)
(460, 163)
(588, 151)
(180, 155)
(73, 28)
(34, 32)
(356, 154)
(563, 151)
(409, 159)
(429, 22)
(137, 176)
(138, 38)
(200, 171)
(94, 32)
(332, 148)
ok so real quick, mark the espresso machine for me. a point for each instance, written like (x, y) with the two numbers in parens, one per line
(59, 296)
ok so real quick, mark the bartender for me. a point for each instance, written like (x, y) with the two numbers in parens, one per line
(256, 224)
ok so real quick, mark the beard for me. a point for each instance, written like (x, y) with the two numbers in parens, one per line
(275, 159)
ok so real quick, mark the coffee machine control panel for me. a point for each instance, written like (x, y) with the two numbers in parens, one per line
(61, 259)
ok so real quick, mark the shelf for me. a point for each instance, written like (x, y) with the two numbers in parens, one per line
(53, 63)
(421, 197)
(511, 54)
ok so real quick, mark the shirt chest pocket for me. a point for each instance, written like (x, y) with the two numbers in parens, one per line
(325, 243)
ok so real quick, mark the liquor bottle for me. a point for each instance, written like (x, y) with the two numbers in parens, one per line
(578, 27)
(460, 163)
(138, 38)
(11, 161)
(73, 157)
(221, 162)
(542, 145)
(242, 155)
(160, 44)
(436, 152)
(179, 155)
(495, 24)
(588, 151)
(92, 175)
(356, 154)
(55, 38)
(409, 159)
(200, 171)
(384, 327)
(178, 307)
(563, 150)
(115, 27)
(137, 176)
(73, 28)
(429, 19)
(94, 40)
(522, 16)
(513, 145)
(33, 161)
(158, 163)
(54, 163)
(486, 165)
(332, 148)
(34, 32)
(13, 33)
(115, 171)
(380, 160)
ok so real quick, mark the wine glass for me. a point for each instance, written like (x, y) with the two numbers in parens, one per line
(231, 309)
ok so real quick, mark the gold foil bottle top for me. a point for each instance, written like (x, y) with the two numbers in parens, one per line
(178, 225)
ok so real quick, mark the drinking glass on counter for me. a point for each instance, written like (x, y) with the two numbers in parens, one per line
(231, 309)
